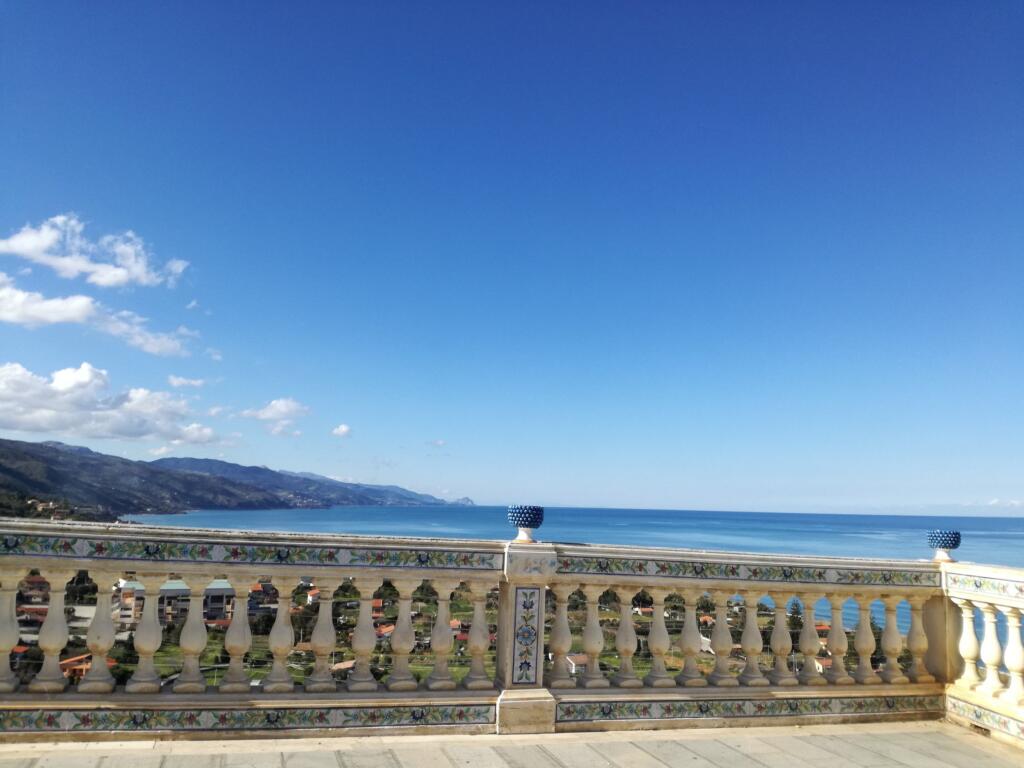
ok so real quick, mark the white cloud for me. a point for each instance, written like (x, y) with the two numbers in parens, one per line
(112, 261)
(163, 450)
(33, 309)
(216, 410)
(77, 402)
(280, 415)
(214, 354)
(194, 304)
(437, 443)
(181, 381)
(1011, 503)
(342, 430)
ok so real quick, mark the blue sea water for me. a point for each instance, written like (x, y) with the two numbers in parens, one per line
(990, 540)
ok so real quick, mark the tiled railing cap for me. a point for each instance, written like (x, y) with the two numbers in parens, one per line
(1003, 586)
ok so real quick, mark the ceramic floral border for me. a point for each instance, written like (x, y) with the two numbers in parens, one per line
(528, 629)
(142, 720)
(986, 717)
(985, 585)
(589, 711)
(255, 554)
(615, 566)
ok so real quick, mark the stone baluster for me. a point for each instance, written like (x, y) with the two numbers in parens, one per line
(810, 644)
(690, 643)
(625, 642)
(53, 635)
(1013, 657)
(193, 637)
(9, 631)
(364, 637)
(892, 644)
(658, 643)
(721, 643)
(838, 644)
(147, 637)
(917, 642)
(752, 643)
(441, 638)
(238, 638)
(479, 639)
(403, 639)
(561, 638)
(864, 643)
(593, 639)
(991, 651)
(281, 640)
(781, 643)
(968, 646)
(323, 639)
(100, 638)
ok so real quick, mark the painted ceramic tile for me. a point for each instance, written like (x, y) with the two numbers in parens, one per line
(979, 585)
(528, 632)
(986, 717)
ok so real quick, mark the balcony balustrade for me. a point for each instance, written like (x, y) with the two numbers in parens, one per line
(544, 636)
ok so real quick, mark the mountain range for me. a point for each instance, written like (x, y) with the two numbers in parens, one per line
(102, 486)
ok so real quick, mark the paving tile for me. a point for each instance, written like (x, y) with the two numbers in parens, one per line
(719, 754)
(17, 762)
(189, 761)
(627, 755)
(373, 757)
(526, 756)
(854, 753)
(896, 752)
(311, 760)
(133, 760)
(68, 759)
(267, 759)
(421, 756)
(674, 754)
(939, 747)
(478, 757)
(578, 755)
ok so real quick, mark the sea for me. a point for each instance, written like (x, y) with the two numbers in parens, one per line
(989, 540)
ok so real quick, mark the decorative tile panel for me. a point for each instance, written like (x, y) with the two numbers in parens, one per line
(612, 566)
(529, 630)
(243, 553)
(142, 720)
(985, 585)
(986, 718)
(591, 711)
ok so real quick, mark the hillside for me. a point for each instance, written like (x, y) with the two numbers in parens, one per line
(112, 486)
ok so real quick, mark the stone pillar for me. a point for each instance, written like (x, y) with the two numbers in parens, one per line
(238, 638)
(561, 637)
(193, 637)
(991, 651)
(53, 636)
(689, 643)
(441, 638)
(1013, 657)
(782, 644)
(9, 632)
(479, 639)
(968, 646)
(864, 643)
(892, 644)
(721, 643)
(625, 642)
(323, 639)
(917, 642)
(658, 643)
(147, 637)
(364, 638)
(281, 640)
(100, 638)
(810, 643)
(838, 644)
(403, 639)
(752, 643)
(593, 639)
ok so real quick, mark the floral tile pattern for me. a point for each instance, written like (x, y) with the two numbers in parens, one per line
(228, 552)
(983, 585)
(588, 711)
(926, 577)
(986, 718)
(54, 720)
(529, 628)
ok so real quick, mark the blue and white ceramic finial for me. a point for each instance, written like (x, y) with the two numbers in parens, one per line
(943, 542)
(526, 518)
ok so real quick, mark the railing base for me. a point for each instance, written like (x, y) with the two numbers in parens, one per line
(1001, 720)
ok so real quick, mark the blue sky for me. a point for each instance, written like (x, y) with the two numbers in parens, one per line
(745, 256)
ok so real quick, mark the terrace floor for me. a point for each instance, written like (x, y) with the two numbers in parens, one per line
(918, 744)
